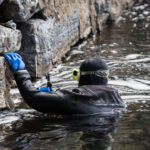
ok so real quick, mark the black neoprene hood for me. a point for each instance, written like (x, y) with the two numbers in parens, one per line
(93, 64)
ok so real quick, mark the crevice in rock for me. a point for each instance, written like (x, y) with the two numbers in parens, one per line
(38, 15)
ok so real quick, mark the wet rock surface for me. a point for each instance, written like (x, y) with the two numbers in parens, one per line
(5, 100)
(21, 11)
(50, 28)
(10, 41)
(47, 40)
(2, 83)
(117, 6)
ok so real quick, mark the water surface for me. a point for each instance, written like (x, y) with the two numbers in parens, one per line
(126, 48)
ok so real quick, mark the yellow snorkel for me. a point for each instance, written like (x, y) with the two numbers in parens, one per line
(76, 74)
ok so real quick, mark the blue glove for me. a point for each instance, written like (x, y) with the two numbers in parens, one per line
(15, 61)
(44, 89)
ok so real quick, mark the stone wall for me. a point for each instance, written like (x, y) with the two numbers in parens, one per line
(10, 41)
(48, 28)
(2, 83)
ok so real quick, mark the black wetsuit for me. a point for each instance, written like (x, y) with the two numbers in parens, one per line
(88, 99)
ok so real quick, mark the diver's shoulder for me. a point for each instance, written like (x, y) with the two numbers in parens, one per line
(100, 87)
(88, 90)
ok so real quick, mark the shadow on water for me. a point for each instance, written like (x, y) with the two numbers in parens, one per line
(125, 46)
(84, 132)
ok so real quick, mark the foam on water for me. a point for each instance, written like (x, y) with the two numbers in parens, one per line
(75, 52)
(63, 73)
(17, 101)
(137, 98)
(142, 7)
(132, 56)
(9, 119)
(14, 91)
(139, 60)
(131, 84)
(146, 13)
(125, 47)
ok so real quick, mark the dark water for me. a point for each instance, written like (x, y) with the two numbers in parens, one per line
(125, 45)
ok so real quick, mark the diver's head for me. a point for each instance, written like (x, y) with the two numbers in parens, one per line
(92, 71)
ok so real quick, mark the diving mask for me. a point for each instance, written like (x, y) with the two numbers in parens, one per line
(76, 73)
(99, 73)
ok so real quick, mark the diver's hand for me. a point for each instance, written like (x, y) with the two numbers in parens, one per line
(44, 89)
(15, 61)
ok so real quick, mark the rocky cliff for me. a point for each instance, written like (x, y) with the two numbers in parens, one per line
(42, 31)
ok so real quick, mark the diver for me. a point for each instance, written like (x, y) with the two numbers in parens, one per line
(92, 96)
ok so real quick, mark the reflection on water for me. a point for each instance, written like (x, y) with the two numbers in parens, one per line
(125, 46)
(67, 133)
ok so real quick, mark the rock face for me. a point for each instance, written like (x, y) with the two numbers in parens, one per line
(10, 41)
(45, 41)
(2, 83)
(5, 100)
(48, 28)
(48, 40)
(21, 10)
(116, 7)
(56, 25)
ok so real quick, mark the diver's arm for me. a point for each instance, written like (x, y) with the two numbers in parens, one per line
(41, 101)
